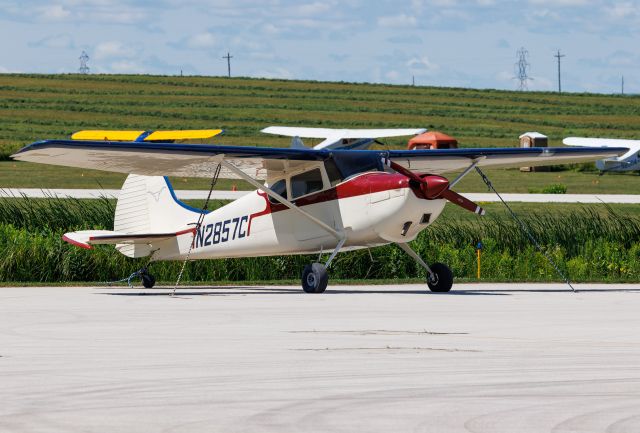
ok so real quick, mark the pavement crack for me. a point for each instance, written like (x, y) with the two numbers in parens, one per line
(385, 348)
(378, 332)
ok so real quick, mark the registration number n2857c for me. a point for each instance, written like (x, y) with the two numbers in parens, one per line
(222, 231)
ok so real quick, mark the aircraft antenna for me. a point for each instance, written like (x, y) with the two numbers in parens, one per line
(84, 58)
(228, 57)
(522, 67)
(559, 56)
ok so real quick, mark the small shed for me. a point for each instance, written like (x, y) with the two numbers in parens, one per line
(533, 139)
(432, 140)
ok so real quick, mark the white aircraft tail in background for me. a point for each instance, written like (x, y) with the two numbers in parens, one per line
(627, 162)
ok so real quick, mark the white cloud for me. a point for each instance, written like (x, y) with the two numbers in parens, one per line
(54, 12)
(623, 10)
(398, 21)
(126, 67)
(201, 41)
(114, 49)
(392, 75)
(561, 3)
(422, 66)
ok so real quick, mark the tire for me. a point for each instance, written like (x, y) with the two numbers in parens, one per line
(315, 278)
(443, 280)
(148, 281)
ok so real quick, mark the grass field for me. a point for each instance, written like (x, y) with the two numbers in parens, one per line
(592, 243)
(34, 107)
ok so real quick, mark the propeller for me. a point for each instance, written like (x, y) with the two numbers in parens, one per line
(433, 187)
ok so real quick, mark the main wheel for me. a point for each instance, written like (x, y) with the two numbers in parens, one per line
(315, 278)
(443, 278)
(148, 280)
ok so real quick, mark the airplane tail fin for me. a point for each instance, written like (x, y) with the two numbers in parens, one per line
(147, 204)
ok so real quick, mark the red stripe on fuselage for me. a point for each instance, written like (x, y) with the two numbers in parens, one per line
(366, 183)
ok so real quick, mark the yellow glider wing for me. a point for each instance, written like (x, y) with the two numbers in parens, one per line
(178, 136)
(107, 135)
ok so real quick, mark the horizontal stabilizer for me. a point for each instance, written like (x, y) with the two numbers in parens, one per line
(149, 136)
(88, 238)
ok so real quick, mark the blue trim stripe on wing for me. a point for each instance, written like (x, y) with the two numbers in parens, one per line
(144, 135)
(184, 205)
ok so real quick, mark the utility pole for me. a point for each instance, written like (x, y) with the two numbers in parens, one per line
(559, 56)
(228, 57)
(623, 84)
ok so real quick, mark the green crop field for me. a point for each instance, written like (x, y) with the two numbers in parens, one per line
(34, 107)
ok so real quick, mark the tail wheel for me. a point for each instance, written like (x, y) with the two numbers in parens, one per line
(442, 279)
(315, 278)
(148, 280)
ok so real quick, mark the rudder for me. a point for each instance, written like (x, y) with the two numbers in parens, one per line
(147, 204)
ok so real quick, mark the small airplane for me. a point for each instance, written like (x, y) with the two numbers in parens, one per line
(335, 197)
(629, 161)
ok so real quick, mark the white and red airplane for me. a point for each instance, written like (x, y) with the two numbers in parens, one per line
(328, 199)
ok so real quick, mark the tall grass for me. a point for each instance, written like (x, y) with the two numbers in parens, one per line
(589, 245)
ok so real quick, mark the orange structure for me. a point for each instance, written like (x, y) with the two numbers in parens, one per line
(432, 140)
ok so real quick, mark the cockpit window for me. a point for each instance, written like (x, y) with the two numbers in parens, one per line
(332, 172)
(306, 183)
(352, 163)
(280, 187)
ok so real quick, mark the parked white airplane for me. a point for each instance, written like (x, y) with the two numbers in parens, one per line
(314, 200)
(347, 139)
(629, 161)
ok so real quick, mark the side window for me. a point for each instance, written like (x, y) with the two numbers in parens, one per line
(280, 187)
(332, 172)
(306, 183)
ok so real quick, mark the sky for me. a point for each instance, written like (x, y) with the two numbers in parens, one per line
(456, 43)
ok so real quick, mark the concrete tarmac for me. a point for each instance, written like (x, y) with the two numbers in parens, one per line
(483, 358)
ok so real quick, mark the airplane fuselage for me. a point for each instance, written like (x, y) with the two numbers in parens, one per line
(370, 209)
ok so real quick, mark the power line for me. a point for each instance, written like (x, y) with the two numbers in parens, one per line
(559, 56)
(228, 57)
(84, 58)
(521, 68)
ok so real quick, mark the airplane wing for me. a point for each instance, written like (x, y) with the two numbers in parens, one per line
(200, 160)
(179, 136)
(292, 131)
(333, 137)
(632, 146)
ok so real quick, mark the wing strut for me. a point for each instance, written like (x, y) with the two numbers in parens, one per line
(284, 201)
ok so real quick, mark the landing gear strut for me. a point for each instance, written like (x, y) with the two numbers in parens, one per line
(439, 278)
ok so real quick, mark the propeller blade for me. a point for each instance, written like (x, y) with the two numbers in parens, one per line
(434, 187)
(462, 201)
